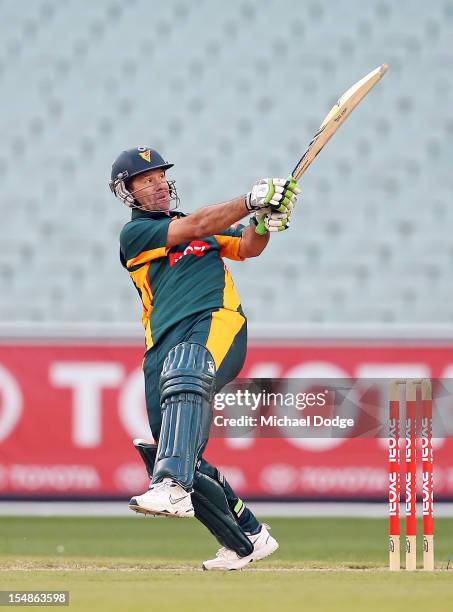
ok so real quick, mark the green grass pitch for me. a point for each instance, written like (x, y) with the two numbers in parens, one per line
(327, 564)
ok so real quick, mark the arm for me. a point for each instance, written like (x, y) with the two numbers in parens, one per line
(274, 193)
(252, 244)
(207, 221)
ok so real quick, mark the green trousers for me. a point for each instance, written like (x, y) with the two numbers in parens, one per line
(224, 333)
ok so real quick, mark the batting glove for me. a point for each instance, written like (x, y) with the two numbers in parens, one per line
(275, 193)
(274, 221)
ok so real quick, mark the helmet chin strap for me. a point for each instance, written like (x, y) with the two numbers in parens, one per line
(128, 198)
(137, 206)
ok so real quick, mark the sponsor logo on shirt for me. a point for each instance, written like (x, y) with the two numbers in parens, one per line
(196, 247)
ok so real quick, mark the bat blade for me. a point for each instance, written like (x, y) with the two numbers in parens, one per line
(332, 121)
(337, 116)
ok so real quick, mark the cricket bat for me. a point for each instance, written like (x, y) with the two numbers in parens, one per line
(335, 117)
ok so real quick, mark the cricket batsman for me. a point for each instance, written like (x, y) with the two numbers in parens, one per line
(196, 338)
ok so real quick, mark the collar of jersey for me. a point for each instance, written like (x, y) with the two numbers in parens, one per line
(137, 214)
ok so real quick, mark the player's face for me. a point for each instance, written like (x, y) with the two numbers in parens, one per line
(151, 191)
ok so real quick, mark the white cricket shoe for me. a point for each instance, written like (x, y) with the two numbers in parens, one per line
(165, 498)
(263, 546)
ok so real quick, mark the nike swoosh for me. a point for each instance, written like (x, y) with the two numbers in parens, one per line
(175, 501)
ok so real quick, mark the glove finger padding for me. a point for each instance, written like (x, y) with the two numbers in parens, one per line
(278, 221)
(277, 229)
(278, 216)
(291, 184)
(285, 205)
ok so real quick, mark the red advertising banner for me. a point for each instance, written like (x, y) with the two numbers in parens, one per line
(69, 412)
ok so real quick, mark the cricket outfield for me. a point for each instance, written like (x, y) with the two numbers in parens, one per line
(114, 563)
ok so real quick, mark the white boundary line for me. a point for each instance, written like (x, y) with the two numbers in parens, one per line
(86, 567)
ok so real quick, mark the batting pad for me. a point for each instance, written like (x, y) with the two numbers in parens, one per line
(187, 390)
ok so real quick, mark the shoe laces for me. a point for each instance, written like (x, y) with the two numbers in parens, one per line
(158, 486)
(226, 553)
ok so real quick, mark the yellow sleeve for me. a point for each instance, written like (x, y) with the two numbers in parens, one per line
(229, 246)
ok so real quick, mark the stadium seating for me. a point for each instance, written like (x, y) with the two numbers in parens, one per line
(229, 98)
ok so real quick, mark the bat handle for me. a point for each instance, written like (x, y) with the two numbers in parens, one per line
(260, 229)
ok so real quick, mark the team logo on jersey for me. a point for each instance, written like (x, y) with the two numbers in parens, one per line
(196, 247)
(144, 153)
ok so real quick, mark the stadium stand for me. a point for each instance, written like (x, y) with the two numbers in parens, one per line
(372, 239)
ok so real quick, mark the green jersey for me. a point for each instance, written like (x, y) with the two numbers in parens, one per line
(175, 283)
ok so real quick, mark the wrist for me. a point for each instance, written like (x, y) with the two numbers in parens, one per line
(247, 204)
